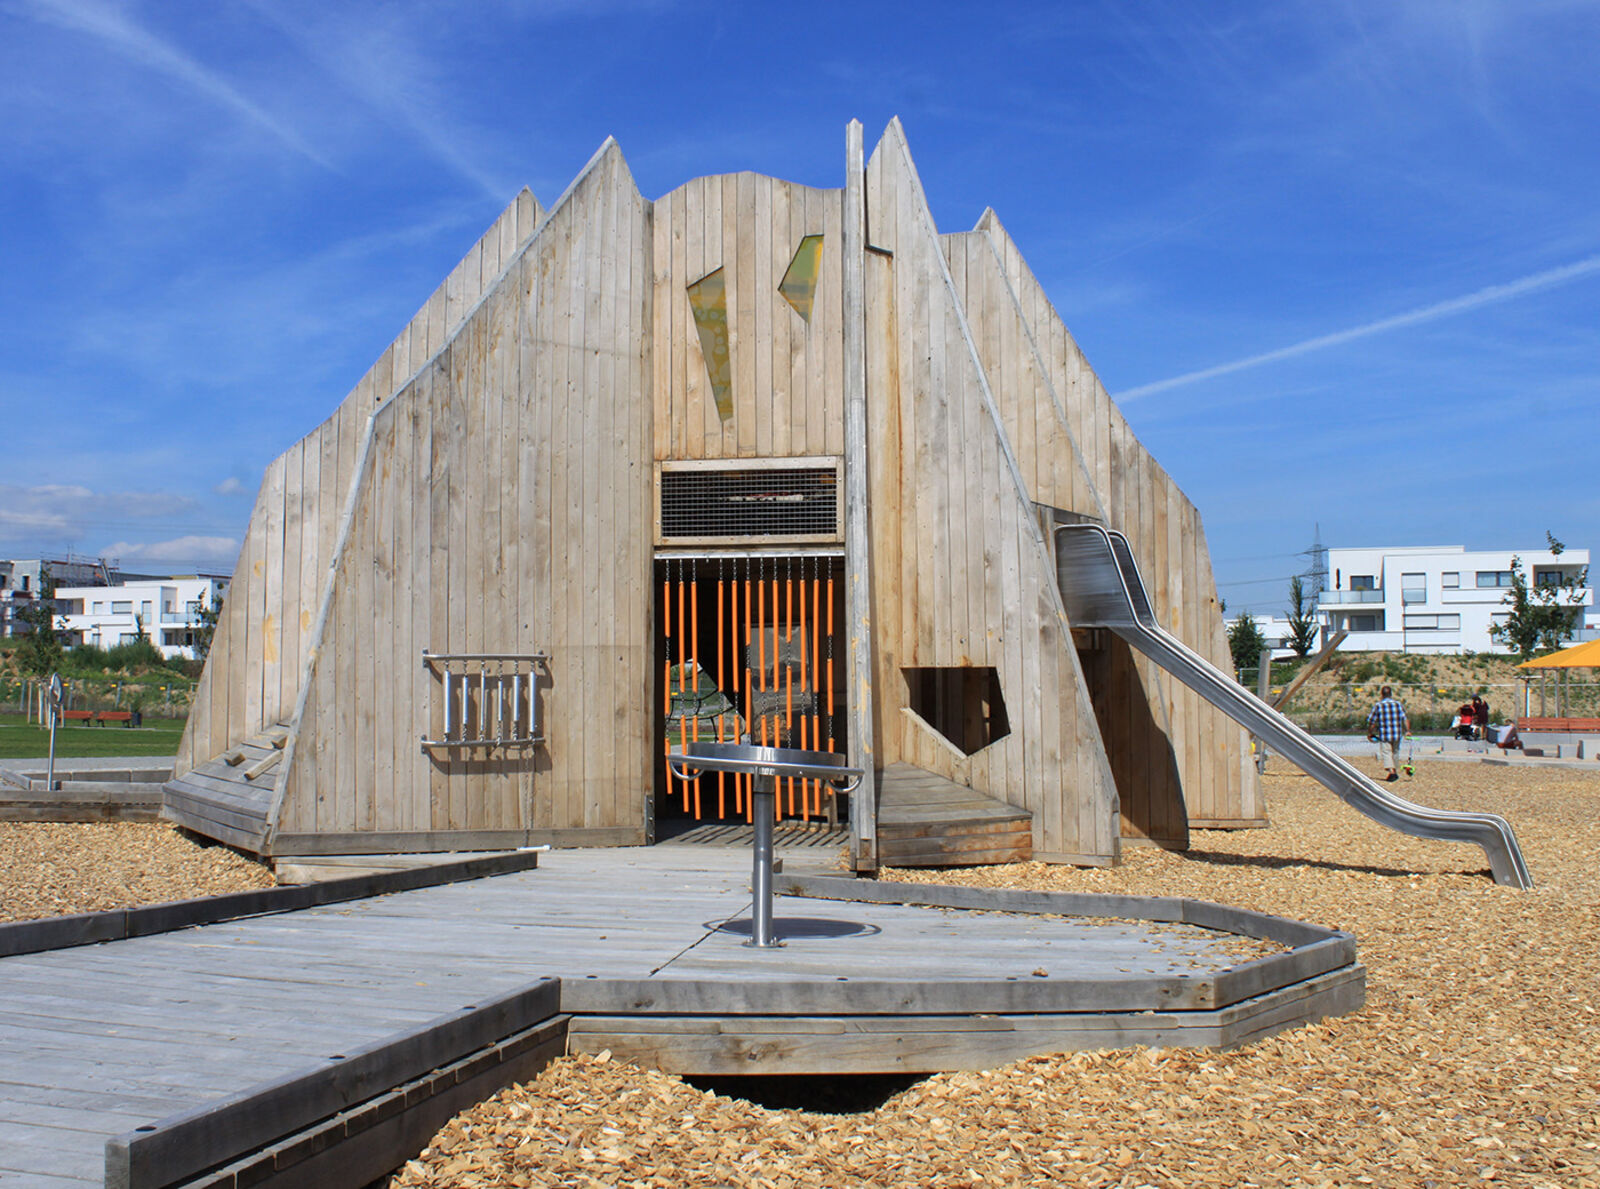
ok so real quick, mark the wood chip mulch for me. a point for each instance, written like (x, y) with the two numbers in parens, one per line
(1474, 1062)
(51, 869)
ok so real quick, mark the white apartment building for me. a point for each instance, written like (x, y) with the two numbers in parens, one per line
(1437, 598)
(164, 609)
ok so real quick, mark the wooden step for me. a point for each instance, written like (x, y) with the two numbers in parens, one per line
(925, 820)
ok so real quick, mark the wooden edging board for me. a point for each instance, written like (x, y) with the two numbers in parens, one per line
(1312, 949)
(849, 1044)
(431, 1069)
(57, 933)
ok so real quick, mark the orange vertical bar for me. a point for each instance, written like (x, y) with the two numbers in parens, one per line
(683, 737)
(750, 724)
(816, 675)
(749, 695)
(761, 629)
(666, 673)
(694, 674)
(830, 662)
(805, 785)
(722, 679)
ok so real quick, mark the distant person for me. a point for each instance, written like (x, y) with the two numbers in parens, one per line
(1480, 717)
(1387, 726)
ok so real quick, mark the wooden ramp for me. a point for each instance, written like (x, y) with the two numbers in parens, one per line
(323, 1046)
(927, 821)
(231, 797)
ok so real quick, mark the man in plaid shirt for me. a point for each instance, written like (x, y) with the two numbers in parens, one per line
(1386, 726)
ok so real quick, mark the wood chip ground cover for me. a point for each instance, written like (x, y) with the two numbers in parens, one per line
(51, 869)
(1474, 1061)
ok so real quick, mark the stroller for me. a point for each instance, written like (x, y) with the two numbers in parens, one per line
(1461, 724)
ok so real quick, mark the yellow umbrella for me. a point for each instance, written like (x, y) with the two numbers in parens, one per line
(1579, 656)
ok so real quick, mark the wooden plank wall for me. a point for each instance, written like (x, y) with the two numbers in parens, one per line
(1136, 495)
(258, 657)
(785, 370)
(961, 575)
(504, 506)
(1129, 692)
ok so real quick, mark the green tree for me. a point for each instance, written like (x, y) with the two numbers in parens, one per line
(39, 650)
(1246, 642)
(1302, 620)
(1542, 614)
(205, 630)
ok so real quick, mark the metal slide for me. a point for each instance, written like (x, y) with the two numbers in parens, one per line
(1101, 586)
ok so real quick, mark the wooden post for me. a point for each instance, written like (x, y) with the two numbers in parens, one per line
(858, 561)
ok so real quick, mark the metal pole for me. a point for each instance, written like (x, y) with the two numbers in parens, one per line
(761, 865)
(55, 706)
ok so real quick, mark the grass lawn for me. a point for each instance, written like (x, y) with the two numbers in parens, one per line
(20, 740)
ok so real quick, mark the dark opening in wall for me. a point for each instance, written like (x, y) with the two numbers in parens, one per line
(964, 705)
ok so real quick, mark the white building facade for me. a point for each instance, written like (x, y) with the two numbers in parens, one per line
(165, 610)
(1437, 598)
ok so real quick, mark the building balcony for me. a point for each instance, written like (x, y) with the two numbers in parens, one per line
(1329, 598)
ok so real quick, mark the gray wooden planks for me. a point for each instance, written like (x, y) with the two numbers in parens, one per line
(181, 1018)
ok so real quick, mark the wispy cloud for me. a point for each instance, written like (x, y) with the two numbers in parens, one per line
(184, 552)
(55, 515)
(117, 30)
(231, 486)
(373, 58)
(1429, 313)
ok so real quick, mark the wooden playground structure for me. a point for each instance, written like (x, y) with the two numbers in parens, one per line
(754, 458)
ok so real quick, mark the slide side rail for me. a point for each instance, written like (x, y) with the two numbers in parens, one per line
(1101, 587)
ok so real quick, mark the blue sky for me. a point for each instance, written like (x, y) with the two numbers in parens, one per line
(1340, 262)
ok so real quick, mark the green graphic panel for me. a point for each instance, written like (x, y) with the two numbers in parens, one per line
(799, 284)
(708, 298)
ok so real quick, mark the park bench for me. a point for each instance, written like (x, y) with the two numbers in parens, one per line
(1573, 726)
(98, 717)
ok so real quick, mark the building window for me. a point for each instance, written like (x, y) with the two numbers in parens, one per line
(1365, 623)
(1451, 581)
(1488, 579)
(122, 608)
(1363, 582)
(1431, 623)
(1413, 588)
(1552, 576)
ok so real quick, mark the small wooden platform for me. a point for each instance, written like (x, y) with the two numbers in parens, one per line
(195, 1045)
(927, 821)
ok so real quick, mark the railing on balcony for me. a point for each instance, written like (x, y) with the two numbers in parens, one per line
(1328, 597)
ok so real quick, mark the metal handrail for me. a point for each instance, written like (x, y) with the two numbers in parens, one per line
(827, 766)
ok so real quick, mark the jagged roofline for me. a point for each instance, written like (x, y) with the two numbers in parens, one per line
(359, 470)
(990, 223)
(995, 234)
(343, 408)
(609, 145)
(895, 139)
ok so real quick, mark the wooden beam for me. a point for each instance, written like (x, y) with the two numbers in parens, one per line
(1310, 670)
(858, 561)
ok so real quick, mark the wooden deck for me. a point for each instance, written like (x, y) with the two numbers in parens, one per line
(98, 1040)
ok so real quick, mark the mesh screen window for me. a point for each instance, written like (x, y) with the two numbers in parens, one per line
(700, 505)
